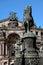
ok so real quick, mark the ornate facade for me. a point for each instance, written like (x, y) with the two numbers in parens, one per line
(11, 31)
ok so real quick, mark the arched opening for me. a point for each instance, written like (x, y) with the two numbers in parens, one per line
(5, 63)
(13, 37)
(11, 41)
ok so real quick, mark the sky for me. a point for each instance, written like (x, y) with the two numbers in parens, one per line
(18, 6)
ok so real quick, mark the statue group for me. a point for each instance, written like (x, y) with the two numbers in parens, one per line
(28, 54)
(28, 19)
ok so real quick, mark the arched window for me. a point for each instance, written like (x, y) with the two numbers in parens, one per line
(5, 63)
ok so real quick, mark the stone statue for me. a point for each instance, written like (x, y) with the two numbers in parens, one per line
(13, 16)
(28, 19)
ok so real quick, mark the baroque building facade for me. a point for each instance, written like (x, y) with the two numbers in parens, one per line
(11, 31)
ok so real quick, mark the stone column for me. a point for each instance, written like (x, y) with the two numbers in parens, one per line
(0, 49)
(6, 50)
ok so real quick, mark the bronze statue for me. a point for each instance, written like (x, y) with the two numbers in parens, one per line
(28, 19)
(25, 25)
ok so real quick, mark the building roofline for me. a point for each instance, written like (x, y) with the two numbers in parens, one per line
(7, 19)
(4, 20)
(38, 28)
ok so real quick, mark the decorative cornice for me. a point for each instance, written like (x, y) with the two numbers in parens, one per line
(7, 19)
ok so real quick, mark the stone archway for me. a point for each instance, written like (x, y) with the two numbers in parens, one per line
(13, 37)
(11, 41)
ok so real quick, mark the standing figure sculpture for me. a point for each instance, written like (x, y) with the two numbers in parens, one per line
(28, 19)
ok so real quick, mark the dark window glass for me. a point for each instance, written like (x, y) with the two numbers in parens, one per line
(36, 33)
(13, 53)
(41, 33)
(12, 64)
(31, 31)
